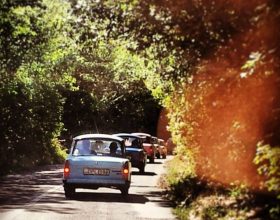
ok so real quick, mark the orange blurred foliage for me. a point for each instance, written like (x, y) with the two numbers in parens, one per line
(239, 87)
(235, 98)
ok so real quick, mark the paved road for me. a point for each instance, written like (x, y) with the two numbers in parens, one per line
(39, 195)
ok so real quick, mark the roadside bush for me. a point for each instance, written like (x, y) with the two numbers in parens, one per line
(213, 212)
(59, 152)
(183, 185)
(30, 123)
(268, 161)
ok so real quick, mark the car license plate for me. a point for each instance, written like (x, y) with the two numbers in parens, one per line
(96, 171)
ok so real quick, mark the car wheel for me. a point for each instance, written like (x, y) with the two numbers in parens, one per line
(142, 168)
(164, 156)
(69, 192)
(158, 155)
(124, 190)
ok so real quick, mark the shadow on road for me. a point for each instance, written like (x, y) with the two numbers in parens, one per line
(109, 197)
(156, 162)
(20, 189)
(143, 174)
(157, 197)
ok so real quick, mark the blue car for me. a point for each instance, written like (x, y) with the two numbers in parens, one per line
(96, 160)
(135, 150)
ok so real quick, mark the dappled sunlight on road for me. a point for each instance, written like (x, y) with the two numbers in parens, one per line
(26, 186)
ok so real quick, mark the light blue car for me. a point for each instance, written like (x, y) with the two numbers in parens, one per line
(96, 160)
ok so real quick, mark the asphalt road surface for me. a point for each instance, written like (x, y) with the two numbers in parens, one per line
(39, 195)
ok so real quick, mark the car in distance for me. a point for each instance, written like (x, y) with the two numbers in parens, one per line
(96, 160)
(148, 145)
(155, 143)
(134, 150)
(161, 149)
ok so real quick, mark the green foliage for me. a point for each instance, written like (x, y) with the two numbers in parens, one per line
(268, 160)
(213, 212)
(79, 113)
(238, 191)
(59, 152)
(34, 51)
(127, 66)
(274, 212)
(183, 185)
(182, 213)
(109, 73)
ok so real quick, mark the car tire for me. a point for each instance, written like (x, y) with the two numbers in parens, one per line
(158, 155)
(69, 192)
(164, 156)
(142, 168)
(124, 190)
(152, 160)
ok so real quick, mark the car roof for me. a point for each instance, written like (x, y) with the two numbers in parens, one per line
(127, 135)
(141, 134)
(98, 136)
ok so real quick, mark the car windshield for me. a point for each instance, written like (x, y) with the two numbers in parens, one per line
(97, 147)
(161, 142)
(147, 139)
(154, 140)
(131, 142)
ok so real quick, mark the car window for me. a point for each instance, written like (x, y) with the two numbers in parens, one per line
(161, 142)
(154, 140)
(147, 140)
(96, 147)
(132, 142)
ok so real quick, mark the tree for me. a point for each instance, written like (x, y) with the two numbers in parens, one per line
(34, 50)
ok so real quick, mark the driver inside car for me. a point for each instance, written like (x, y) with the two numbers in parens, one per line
(113, 149)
